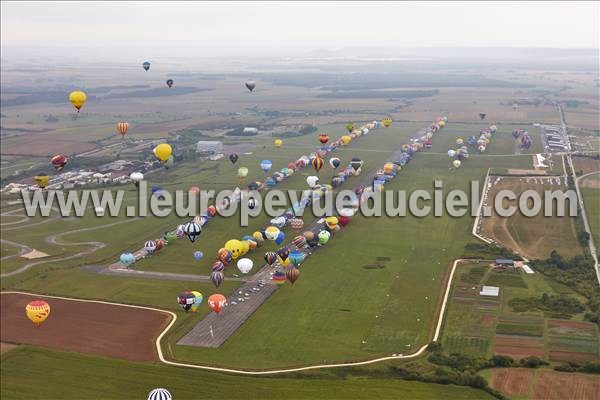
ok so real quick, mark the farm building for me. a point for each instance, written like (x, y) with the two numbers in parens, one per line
(504, 262)
(491, 291)
(209, 147)
(527, 269)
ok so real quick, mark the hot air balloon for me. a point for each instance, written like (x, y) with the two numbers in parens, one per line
(334, 162)
(216, 277)
(198, 255)
(482, 115)
(233, 157)
(163, 151)
(136, 178)
(323, 237)
(146, 65)
(225, 256)
(122, 128)
(459, 141)
(272, 232)
(270, 257)
(283, 253)
(493, 128)
(296, 224)
(78, 99)
(279, 278)
(387, 122)
(299, 241)
(278, 143)
(186, 300)
(169, 82)
(346, 139)
(451, 153)
(59, 162)
(192, 230)
(235, 247)
(456, 163)
(242, 173)
(99, 211)
(331, 222)
(245, 265)
(216, 302)
(37, 311)
(127, 259)
(42, 180)
(150, 246)
(292, 274)
(296, 257)
(317, 163)
(312, 181)
(266, 165)
(250, 85)
(323, 138)
(159, 393)
(356, 164)
(350, 127)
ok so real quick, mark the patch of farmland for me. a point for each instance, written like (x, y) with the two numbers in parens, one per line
(506, 278)
(572, 341)
(512, 381)
(551, 385)
(506, 328)
(472, 346)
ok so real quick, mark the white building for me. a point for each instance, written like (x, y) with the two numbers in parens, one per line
(490, 291)
(209, 147)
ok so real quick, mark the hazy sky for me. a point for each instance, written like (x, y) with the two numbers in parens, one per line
(281, 26)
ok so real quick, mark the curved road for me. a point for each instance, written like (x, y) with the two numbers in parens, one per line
(164, 360)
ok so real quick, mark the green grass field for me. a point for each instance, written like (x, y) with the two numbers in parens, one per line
(591, 201)
(29, 372)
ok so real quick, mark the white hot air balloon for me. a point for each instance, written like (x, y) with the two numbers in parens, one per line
(312, 181)
(159, 394)
(245, 265)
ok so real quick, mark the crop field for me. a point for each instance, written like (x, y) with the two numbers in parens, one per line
(524, 383)
(533, 237)
(572, 341)
(468, 327)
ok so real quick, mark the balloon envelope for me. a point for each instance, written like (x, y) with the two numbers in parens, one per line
(245, 265)
(37, 311)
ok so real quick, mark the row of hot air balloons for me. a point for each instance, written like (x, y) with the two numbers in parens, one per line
(191, 300)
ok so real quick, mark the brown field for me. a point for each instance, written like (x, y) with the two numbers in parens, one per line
(534, 237)
(586, 164)
(551, 385)
(572, 356)
(84, 327)
(4, 347)
(519, 352)
(513, 381)
(545, 384)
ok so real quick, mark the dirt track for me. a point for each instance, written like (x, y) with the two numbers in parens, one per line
(92, 328)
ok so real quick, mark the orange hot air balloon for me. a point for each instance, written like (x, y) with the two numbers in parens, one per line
(122, 127)
(323, 138)
(37, 311)
(317, 163)
(216, 302)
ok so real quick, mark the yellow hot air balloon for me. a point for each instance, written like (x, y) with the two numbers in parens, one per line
(387, 122)
(278, 142)
(346, 139)
(42, 180)
(37, 311)
(388, 168)
(235, 247)
(163, 151)
(441, 124)
(331, 222)
(77, 98)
